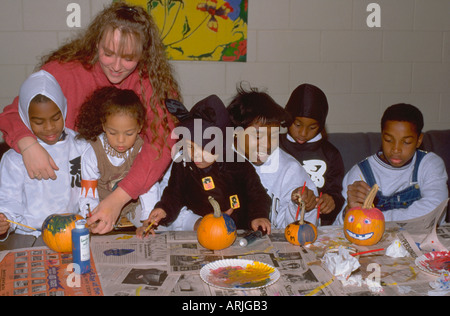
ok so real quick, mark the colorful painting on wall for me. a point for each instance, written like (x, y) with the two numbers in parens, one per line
(206, 30)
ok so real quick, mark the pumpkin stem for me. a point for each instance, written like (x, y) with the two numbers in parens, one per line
(370, 197)
(302, 214)
(216, 206)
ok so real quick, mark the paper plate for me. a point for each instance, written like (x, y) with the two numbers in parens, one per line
(435, 263)
(239, 274)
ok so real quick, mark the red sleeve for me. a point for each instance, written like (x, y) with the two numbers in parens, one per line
(147, 169)
(11, 125)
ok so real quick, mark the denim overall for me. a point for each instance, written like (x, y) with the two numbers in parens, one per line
(401, 199)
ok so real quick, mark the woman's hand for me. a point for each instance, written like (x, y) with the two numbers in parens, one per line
(38, 162)
(105, 215)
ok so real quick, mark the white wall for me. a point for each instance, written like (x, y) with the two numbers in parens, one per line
(325, 42)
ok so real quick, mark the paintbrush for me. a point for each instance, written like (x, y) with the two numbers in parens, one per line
(299, 201)
(89, 210)
(364, 252)
(318, 212)
(148, 228)
(23, 225)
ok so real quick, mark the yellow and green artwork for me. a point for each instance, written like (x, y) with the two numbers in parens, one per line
(207, 30)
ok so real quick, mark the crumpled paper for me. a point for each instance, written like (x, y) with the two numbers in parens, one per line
(396, 250)
(357, 280)
(441, 286)
(341, 264)
(374, 286)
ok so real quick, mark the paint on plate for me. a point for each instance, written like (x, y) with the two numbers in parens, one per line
(253, 275)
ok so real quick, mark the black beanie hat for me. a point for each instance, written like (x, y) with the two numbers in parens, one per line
(309, 101)
(212, 113)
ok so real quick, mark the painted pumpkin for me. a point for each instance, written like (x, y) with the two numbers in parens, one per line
(216, 231)
(301, 232)
(57, 231)
(364, 226)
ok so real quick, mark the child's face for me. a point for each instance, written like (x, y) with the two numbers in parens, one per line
(304, 129)
(399, 141)
(121, 131)
(202, 158)
(258, 141)
(46, 121)
(116, 67)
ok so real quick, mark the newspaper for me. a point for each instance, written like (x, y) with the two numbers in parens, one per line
(423, 229)
(170, 263)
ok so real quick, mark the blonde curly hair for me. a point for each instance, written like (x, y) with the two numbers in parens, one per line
(135, 25)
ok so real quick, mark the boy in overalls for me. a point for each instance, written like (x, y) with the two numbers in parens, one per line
(411, 182)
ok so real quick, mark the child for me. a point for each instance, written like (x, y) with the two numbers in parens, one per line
(111, 120)
(204, 171)
(258, 119)
(42, 107)
(308, 107)
(411, 182)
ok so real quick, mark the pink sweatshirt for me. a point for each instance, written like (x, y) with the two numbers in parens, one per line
(77, 84)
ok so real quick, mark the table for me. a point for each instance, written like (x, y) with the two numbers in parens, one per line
(168, 264)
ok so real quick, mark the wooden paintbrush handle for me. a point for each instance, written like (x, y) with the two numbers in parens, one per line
(370, 197)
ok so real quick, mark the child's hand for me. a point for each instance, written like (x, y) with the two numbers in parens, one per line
(308, 197)
(4, 225)
(155, 217)
(356, 194)
(140, 232)
(326, 203)
(264, 223)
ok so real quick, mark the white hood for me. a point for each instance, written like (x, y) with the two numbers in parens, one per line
(43, 83)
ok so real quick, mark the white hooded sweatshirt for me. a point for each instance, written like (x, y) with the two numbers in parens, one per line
(30, 201)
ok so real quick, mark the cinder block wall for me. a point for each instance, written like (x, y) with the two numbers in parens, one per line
(325, 42)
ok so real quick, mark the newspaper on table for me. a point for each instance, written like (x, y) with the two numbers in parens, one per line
(170, 262)
(423, 229)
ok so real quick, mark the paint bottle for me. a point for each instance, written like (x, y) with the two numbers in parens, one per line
(250, 238)
(81, 252)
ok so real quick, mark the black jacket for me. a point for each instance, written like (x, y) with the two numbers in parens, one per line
(323, 162)
(190, 186)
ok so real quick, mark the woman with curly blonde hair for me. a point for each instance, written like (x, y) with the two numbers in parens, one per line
(122, 48)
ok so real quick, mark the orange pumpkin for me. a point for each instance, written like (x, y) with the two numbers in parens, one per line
(301, 232)
(57, 231)
(216, 231)
(365, 226)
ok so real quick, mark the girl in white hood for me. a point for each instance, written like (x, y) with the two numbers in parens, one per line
(42, 107)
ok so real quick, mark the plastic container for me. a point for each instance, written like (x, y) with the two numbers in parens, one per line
(81, 251)
(250, 238)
